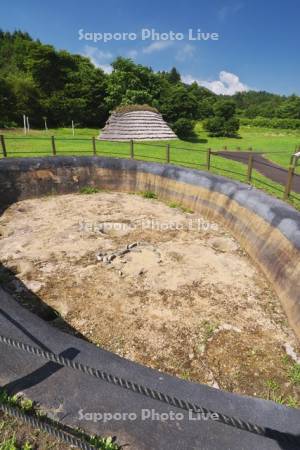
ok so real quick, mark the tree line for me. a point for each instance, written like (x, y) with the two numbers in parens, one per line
(54, 85)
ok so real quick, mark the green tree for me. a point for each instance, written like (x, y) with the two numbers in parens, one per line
(27, 98)
(177, 102)
(37, 80)
(205, 108)
(131, 83)
(225, 109)
(7, 104)
(183, 128)
(46, 82)
(173, 76)
(50, 69)
(224, 122)
(290, 108)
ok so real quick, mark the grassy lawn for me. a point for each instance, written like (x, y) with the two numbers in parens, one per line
(188, 153)
(260, 139)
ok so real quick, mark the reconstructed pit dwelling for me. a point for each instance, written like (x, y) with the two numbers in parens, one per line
(198, 283)
(136, 122)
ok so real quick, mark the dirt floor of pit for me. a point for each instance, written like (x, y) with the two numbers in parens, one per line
(184, 299)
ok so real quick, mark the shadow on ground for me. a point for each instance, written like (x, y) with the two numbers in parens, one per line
(29, 300)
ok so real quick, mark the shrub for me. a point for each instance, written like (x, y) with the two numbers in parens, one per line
(217, 126)
(225, 109)
(214, 126)
(89, 190)
(9, 444)
(183, 127)
(224, 122)
(264, 122)
(149, 194)
(231, 126)
(294, 374)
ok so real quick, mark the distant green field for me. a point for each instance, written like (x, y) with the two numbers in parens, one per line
(260, 139)
(188, 153)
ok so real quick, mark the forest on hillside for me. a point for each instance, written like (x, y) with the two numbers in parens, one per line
(45, 83)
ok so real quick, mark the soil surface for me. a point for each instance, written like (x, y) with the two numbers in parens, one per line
(155, 284)
(265, 167)
(15, 435)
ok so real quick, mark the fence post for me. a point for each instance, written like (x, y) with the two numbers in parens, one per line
(53, 146)
(296, 160)
(208, 158)
(4, 152)
(250, 167)
(168, 153)
(289, 182)
(94, 146)
(131, 149)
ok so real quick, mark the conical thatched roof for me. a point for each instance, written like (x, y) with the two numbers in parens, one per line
(138, 125)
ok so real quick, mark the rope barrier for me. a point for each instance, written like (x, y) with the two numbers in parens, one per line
(149, 144)
(52, 429)
(98, 151)
(238, 157)
(258, 152)
(72, 139)
(227, 170)
(188, 162)
(295, 198)
(104, 152)
(268, 185)
(163, 146)
(158, 158)
(57, 138)
(42, 152)
(148, 392)
(28, 138)
(61, 152)
(197, 150)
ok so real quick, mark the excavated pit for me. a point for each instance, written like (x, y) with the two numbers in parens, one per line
(154, 283)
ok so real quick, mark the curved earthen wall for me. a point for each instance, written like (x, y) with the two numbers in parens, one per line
(267, 228)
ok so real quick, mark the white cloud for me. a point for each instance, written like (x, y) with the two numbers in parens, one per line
(132, 54)
(99, 58)
(229, 10)
(186, 52)
(157, 46)
(227, 84)
(189, 79)
(107, 68)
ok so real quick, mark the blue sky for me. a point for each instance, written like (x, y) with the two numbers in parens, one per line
(257, 48)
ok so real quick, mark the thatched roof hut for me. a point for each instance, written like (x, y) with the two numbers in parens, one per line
(138, 123)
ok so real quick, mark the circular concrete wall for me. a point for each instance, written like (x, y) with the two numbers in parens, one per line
(267, 228)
